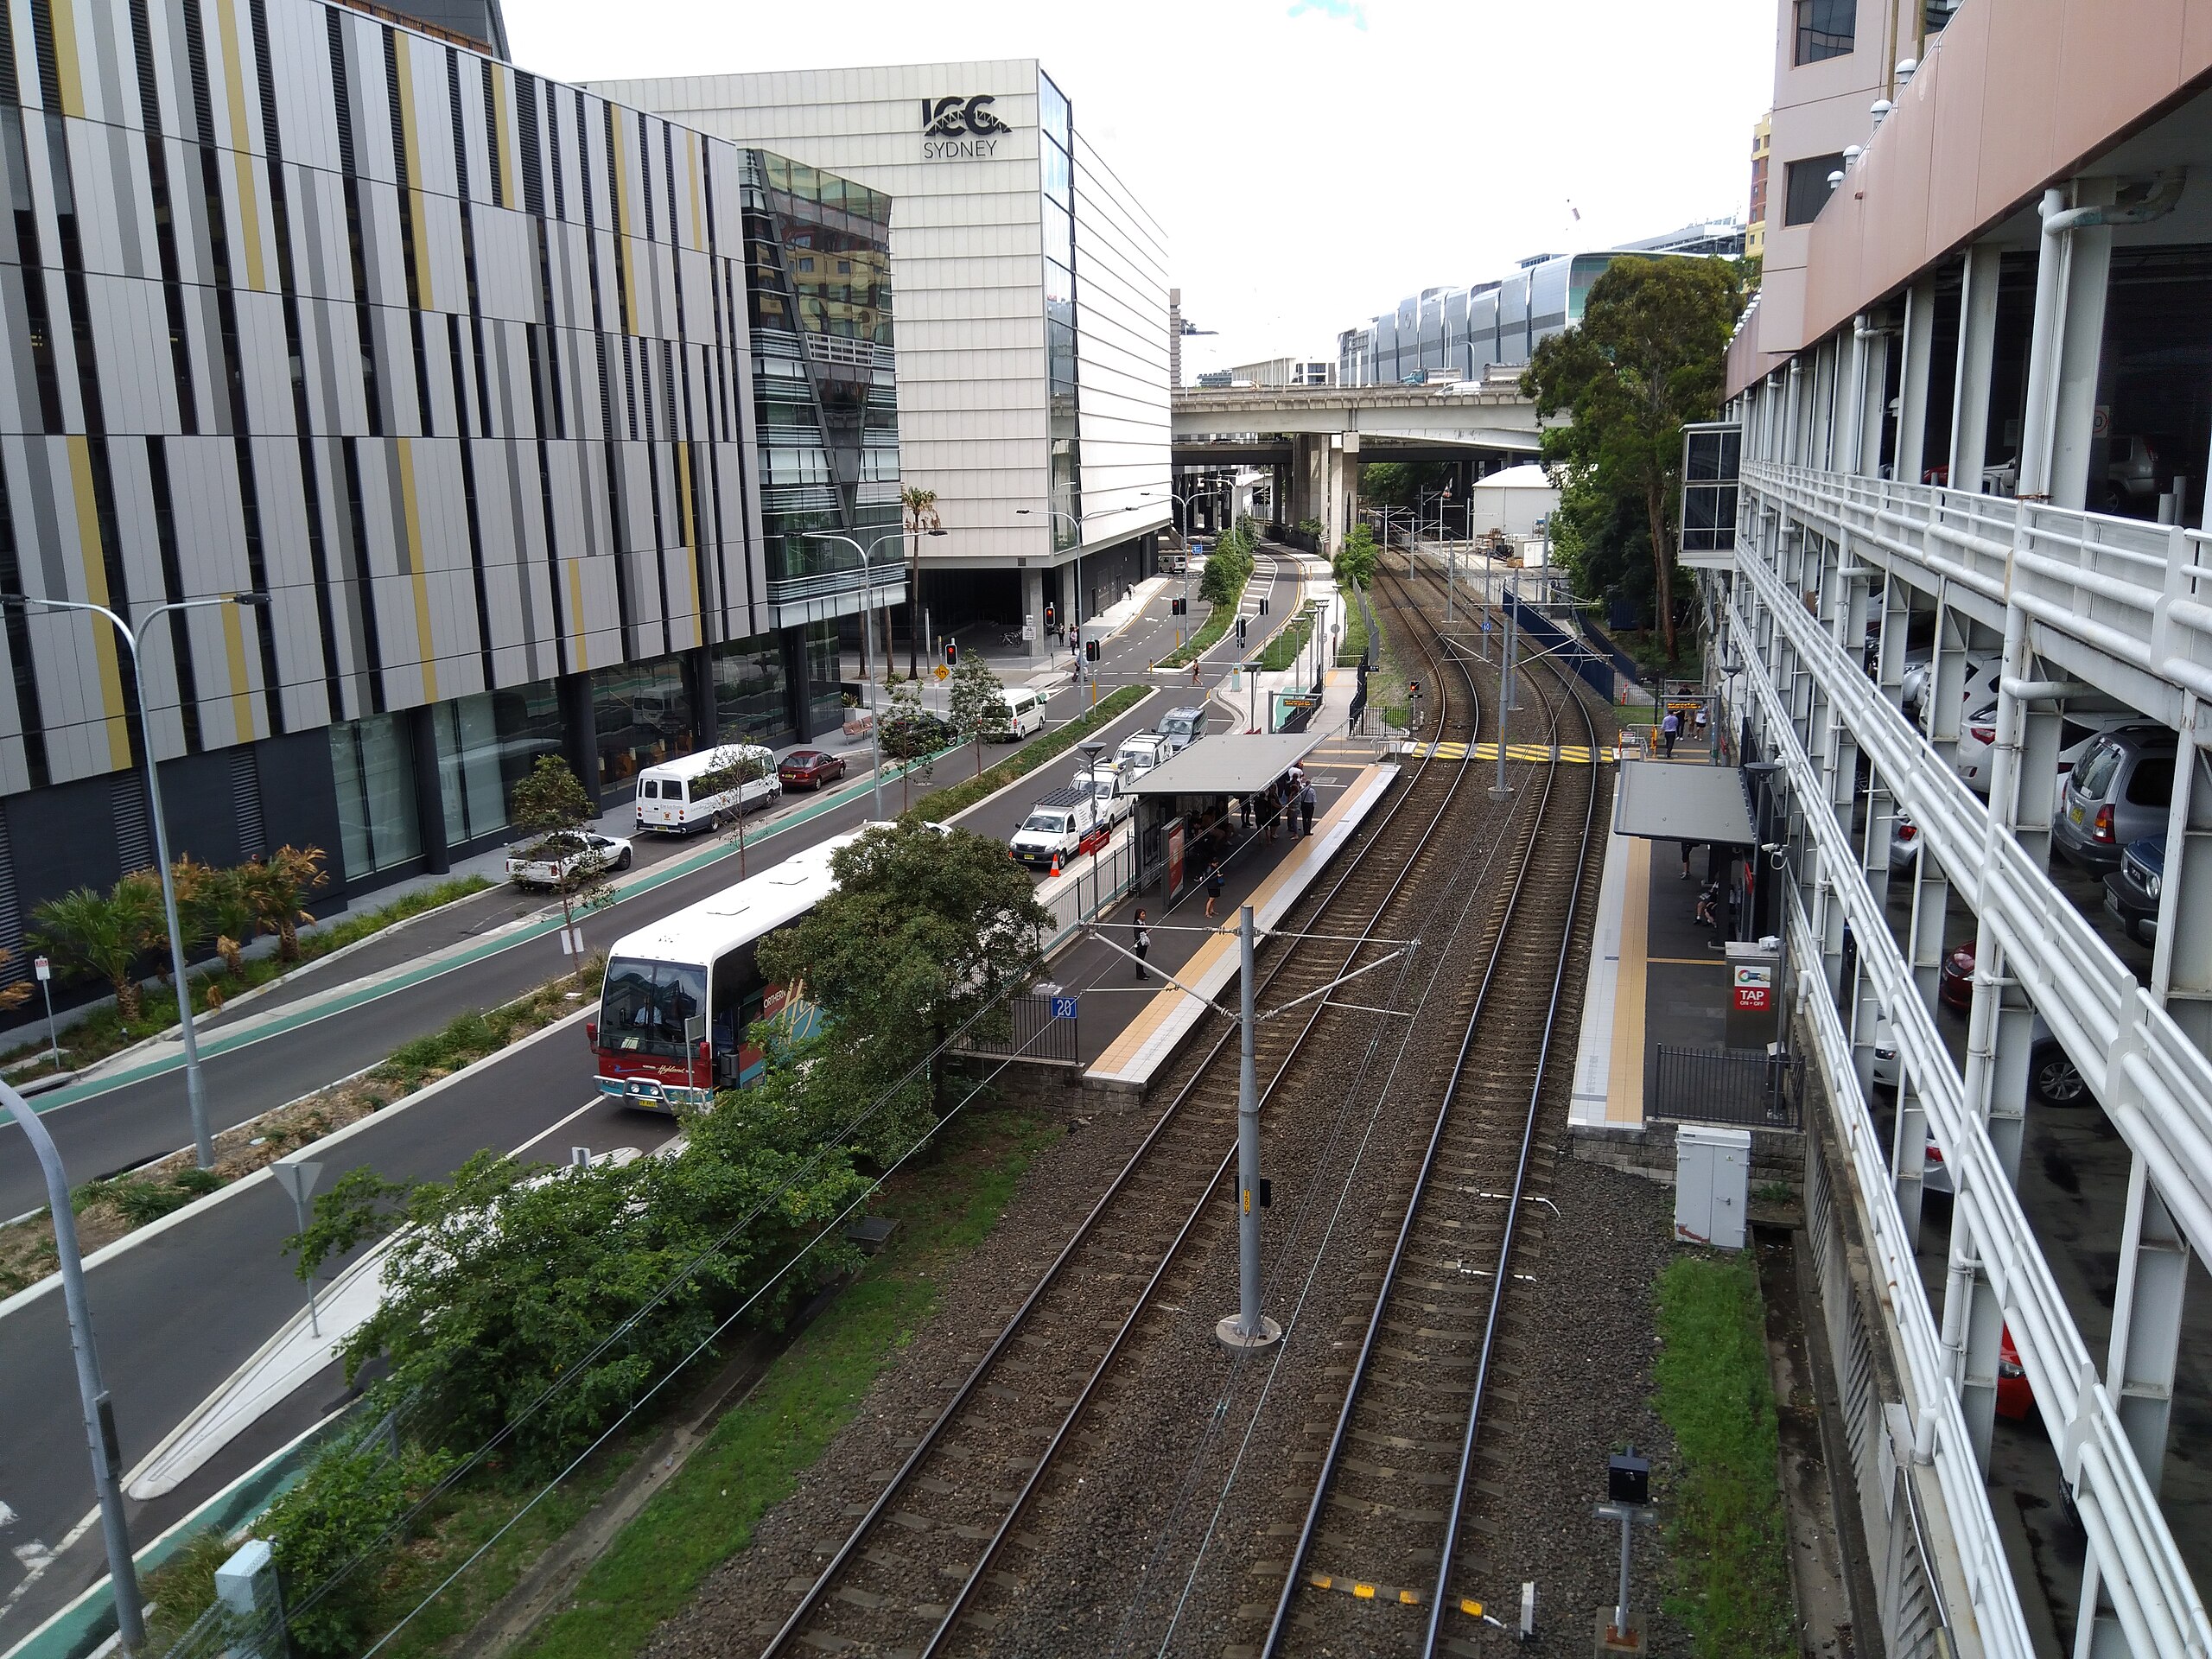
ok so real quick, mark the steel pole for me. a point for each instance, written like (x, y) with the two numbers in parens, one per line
(868, 675)
(1620, 1608)
(99, 1417)
(1248, 1143)
(1499, 790)
(195, 1087)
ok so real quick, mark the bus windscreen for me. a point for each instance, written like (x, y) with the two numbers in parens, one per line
(647, 1005)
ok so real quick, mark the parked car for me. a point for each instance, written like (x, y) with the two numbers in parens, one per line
(2016, 1396)
(1955, 982)
(1904, 844)
(1984, 669)
(1977, 750)
(810, 769)
(549, 862)
(1139, 753)
(2053, 1078)
(2117, 794)
(2132, 891)
(1113, 800)
(679, 795)
(1061, 826)
(2131, 476)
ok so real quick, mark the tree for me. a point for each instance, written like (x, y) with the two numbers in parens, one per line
(281, 884)
(1649, 355)
(101, 935)
(924, 930)
(978, 703)
(907, 734)
(920, 518)
(735, 769)
(1356, 558)
(551, 805)
(218, 906)
(1400, 483)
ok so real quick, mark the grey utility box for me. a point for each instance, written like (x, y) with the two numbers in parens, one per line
(1712, 1169)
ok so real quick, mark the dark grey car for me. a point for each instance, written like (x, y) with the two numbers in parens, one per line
(2117, 793)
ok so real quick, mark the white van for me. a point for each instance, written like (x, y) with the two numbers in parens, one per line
(1139, 753)
(1182, 727)
(669, 800)
(1024, 714)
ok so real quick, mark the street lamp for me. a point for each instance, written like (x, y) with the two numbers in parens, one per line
(1184, 502)
(868, 626)
(194, 1089)
(92, 1394)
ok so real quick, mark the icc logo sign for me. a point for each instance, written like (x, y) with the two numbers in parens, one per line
(960, 129)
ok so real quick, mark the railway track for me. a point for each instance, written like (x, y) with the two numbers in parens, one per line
(1378, 1564)
(937, 1551)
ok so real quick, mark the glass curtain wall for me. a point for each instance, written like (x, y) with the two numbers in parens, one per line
(488, 743)
(825, 678)
(641, 715)
(750, 700)
(818, 247)
(1057, 165)
(374, 766)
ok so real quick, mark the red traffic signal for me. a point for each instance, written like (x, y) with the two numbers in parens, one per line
(951, 654)
(1050, 616)
(1090, 650)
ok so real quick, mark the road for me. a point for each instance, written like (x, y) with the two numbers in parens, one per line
(177, 1313)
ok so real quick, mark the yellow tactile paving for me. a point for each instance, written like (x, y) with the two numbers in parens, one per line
(1624, 1080)
(1572, 754)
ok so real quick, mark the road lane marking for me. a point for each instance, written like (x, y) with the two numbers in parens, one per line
(555, 1128)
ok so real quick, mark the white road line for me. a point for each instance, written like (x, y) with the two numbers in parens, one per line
(555, 1128)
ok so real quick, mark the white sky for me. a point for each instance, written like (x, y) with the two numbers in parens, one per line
(1312, 160)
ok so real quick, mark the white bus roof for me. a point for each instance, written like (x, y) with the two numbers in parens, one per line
(757, 905)
(687, 766)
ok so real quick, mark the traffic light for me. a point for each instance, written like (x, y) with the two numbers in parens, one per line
(1175, 607)
(1263, 604)
(952, 652)
(1050, 615)
(1090, 650)
(1242, 622)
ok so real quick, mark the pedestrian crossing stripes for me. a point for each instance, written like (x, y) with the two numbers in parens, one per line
(1571, 754)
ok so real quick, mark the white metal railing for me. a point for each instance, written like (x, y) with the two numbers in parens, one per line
(2154, 1085)
(887, 574)
(2138, 593)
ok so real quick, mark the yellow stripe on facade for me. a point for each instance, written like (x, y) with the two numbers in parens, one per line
(502, 148)
(691, 142)
(424, 645)
(234, 659)
(95, 567)
(575, 615)
(64, 66)
(241, 158)
(627, 252)
(690, 547)
(411, 202)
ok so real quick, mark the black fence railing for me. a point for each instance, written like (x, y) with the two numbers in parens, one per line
(1731, 1087)
(1032, 1033)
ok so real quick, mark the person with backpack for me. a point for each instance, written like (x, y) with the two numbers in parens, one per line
(1142, 945)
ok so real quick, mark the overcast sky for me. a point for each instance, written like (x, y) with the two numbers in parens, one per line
(1312, 160)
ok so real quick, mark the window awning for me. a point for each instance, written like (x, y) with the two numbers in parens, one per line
(1228, 764)
(1664, 800)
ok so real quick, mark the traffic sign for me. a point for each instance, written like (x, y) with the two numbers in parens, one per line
(42, 968)
(1064, 1008)
(942, 671)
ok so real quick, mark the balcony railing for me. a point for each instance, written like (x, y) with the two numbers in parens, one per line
(884, 580)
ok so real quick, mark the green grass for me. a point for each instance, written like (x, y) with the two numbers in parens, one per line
(753, 1458)
(958, 797)
(1282, 651)
(1726, 1532)
(103, 1032)
(1206, 639)
(1353, 645)
(469, 1037)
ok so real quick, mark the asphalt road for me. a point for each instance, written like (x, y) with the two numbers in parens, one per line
(176, 1314)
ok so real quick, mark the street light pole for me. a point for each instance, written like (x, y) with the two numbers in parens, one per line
(194, 1089)
(868, 625)
(1248, 1329)
(92, 1394)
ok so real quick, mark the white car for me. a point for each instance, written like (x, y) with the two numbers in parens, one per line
(549, 862)
(1984, 669)
(1978, 742)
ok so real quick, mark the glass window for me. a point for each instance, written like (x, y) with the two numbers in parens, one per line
(1060, 234)
(374, 766)
(2151, 783)
(824, 674)
(471, 788)
(806, 184)
(528, 723)
(1060, 286)
(1807, 192)
(647, 1004)
(1052, 113)
(1826, 28)
(641, 715)
(1053, 163)
(775, 170)
(749, 690)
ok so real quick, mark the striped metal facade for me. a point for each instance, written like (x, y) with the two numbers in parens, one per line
(453, 361)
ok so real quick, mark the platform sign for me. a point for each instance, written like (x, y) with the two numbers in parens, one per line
(1753, 987)
(1174, 861)
(1064, 1008)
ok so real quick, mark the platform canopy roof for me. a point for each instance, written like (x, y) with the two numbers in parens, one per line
(1228, 764)
(1671, 800)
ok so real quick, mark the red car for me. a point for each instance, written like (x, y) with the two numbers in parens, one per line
(810, 769)
(1955, 986)
(2015, 1398)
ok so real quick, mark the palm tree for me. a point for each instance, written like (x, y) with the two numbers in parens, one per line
(280, 885)
(101, 935)
(921, 519)
(220, 906)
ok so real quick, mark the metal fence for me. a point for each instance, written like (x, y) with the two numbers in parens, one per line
(1726, 1086)
(1034, 1033)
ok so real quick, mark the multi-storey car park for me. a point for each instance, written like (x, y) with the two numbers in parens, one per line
(1969, 525)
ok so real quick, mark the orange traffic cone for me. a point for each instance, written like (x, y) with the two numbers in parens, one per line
(1056, 867)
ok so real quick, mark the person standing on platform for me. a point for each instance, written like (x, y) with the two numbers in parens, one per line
(1213, 888)
(1142, 945)
(1307, 800)
(1669, 728)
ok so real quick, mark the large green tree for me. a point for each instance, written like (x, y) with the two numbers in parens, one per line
(925, 929)
(1648, 356)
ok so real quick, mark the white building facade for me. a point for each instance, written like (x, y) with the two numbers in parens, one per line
(1034, 326)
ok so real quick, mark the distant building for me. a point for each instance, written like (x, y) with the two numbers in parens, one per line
(1755, 226)
(1285, 371)
(1460, 333)
(1175, 338)
(1218, 378)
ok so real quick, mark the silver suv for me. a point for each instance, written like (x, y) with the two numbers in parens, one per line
(2117, 793)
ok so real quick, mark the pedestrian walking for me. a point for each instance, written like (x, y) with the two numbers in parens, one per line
(1194, 672)
(1142, 945)
(1701, 736)
(1268, 803)
(1246, 805)
(1686, 860)
(1213, 888)
(1669, 728)
(1307, 800)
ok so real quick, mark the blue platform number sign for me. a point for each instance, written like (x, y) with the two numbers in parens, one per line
(1064, 1008)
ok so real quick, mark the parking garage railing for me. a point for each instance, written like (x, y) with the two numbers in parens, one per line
(2155, 1086)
